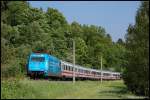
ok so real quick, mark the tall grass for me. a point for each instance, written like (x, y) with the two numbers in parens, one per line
(38, 89)
(13, 69)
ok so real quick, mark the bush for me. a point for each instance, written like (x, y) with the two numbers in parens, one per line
(13, 69)
(12, 89)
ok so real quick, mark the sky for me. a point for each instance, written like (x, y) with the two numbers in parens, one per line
(114, 16)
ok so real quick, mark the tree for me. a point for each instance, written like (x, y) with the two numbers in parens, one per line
(17, 12)
(136, 75)
(55, 18)
(81, 51)
(120, 41)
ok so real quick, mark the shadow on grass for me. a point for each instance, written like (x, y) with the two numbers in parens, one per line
(114, 91)
(119, 89)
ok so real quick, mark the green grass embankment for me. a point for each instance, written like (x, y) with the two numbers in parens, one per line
(38, 89)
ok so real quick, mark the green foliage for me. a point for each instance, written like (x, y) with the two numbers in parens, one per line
(55, 18)
(26, 29)
(17, 13)
(12, 69)
(13, 89)
(120, 41)
(136, 73)
(81, 51)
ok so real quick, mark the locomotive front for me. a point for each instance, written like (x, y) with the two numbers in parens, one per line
(37, 64)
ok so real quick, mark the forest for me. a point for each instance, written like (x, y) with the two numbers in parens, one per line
(25, 29)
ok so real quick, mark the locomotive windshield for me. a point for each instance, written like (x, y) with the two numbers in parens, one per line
(38, 59)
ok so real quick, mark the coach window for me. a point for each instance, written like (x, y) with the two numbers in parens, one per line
(65, 67)
(75, 69)
(62, 67)
(80, 70)
(71, 68)
(68, 68)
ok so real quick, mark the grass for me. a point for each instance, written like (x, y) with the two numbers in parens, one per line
(38, 89)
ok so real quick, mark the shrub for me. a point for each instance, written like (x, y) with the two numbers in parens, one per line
(13, 69)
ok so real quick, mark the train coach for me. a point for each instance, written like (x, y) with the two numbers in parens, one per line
(50, 66)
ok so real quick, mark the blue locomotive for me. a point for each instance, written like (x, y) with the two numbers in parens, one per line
(48, 65)
(42, 63)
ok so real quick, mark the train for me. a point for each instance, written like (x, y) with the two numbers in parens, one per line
(50, 66)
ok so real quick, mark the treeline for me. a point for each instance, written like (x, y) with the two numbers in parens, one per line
(26, 29)
(136, 73)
